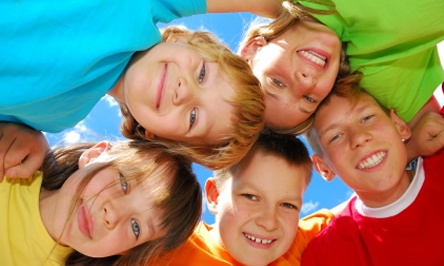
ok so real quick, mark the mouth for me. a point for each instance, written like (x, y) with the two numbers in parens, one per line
(161, 86)
(372, 161)
(84, 221)
(259, 240)
(314, 57)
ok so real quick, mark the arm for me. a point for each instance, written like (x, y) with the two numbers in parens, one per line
(266, 8)
(22, 150)
(427, 136)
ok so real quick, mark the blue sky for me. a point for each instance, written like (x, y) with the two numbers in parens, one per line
(104, 121)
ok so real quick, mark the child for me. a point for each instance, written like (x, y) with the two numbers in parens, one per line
(131, 198)
(190, 92)
(394, 218)
(257, 204)
(296, 56)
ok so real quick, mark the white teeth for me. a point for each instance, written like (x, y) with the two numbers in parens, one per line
(314, 57)
(372, 161)
(258, 240)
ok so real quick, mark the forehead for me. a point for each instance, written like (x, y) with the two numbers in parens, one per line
(270, 172)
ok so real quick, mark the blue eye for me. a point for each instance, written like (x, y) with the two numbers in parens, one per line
(123, 183)
(202, 73)
(193, 115)
(136, 228)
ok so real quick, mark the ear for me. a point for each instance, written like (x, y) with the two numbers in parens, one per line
(93, 153)
(403, 128)
(252, 47)
(211, 195)
(322, 168)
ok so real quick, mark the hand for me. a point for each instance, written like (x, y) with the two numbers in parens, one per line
(427, 136)
(22, 150)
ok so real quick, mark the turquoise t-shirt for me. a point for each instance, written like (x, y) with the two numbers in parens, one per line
(394, 44)
(58, 58)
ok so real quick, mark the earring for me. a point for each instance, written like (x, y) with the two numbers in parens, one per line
(403, 140)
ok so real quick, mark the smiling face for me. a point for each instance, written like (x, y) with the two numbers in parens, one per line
(175, 93)
(113, 213)
(297, 70)
(362, 145)
(256, 216)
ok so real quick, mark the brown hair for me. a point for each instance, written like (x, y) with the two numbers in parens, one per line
(286, 146)
(345, 88)
(248, 105)
(178, 192)
(291, 14)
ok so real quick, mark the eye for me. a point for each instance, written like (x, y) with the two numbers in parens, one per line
(250, 197)
(367, 118)
(135, 227)
(335, 137)
(289, 206)
(123, 183)
(202, 73)
(193, 116)
(277, 82)
(309, 99)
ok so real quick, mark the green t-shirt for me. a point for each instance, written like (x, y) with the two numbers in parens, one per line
(394, 44)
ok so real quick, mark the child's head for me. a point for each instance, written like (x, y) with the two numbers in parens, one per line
(134, 199)
(297, 60)
(257, 202)
(204, 100)
(357, 139)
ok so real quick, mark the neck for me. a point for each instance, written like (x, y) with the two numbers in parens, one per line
(47, 212)
(117, 91)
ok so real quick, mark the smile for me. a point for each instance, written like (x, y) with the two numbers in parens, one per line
(372, 161)
(160, 89)
(314, 57)
(258, 240)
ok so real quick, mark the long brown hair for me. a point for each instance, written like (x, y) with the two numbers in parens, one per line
(179, 195)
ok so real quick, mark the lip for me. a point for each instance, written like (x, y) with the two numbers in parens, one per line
(84, 221)
(161, 86)
(319, 52)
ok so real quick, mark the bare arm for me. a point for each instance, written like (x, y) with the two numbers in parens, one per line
(22, 150)
(265, 8)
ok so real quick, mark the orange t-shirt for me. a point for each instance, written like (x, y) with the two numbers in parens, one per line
(200, 249)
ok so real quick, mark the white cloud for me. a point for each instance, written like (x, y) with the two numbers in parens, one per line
(309, 207)
(110, 100)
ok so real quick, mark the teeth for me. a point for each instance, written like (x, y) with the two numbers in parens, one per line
(314, 57)
(372, 161)
(258, 240)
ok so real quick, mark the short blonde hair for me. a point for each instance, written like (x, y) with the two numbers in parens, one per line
(248, 104)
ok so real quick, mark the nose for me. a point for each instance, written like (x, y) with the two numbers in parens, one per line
(305, 79)
(267, 219)
(112, 215)
(184, 91)
(359, 137)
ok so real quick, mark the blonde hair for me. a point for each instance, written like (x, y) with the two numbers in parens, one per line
(177, 192)
(248, 104)
(291, 14)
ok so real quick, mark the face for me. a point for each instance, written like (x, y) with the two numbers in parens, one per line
(113, 214)
(175, 93)
(297, 70)
(362, 145)
(256, 216)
